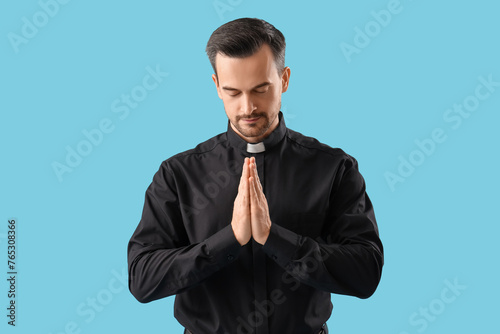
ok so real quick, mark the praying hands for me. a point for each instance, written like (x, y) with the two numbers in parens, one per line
(250, 212)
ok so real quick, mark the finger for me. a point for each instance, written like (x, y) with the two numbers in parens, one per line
(244, 174)
(251, 168)
(245, 168)
(257, 179)
(254, 192)
(246, 182)
(245, 194)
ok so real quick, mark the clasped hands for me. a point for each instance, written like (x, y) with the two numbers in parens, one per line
(250, 212)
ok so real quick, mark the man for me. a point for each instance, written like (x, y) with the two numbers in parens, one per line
(253, 229)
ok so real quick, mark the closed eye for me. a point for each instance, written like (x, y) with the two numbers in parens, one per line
(260, 89)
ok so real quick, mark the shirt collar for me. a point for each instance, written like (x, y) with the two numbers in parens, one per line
(267, 143)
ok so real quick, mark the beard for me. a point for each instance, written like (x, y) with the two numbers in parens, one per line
(258, 128)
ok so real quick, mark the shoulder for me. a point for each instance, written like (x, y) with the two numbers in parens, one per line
(202, 149)
(313, 146)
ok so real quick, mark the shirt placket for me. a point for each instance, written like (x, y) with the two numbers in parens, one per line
(259, 273)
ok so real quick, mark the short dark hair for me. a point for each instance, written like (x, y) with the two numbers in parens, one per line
(245, 36)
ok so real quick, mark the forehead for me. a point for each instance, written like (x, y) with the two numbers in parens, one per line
(246, 72)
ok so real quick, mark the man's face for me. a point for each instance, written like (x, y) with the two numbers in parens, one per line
(251, 89)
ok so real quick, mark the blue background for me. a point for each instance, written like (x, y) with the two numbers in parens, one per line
(438, 225)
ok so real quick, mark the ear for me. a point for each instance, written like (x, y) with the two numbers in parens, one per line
(285, 79)
(214, 78)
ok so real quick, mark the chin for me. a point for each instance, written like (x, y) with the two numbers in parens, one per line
(252, 132)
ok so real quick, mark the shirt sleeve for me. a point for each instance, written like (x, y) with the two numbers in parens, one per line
(161, 259)
(348, 258)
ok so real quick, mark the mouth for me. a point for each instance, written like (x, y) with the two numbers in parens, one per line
(250, 120)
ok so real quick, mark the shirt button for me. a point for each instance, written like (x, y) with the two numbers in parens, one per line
(230, 257)
(274, 257)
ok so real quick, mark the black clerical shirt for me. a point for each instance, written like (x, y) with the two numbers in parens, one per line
(323, 238)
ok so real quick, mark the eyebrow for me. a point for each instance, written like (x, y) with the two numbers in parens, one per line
(266, 83)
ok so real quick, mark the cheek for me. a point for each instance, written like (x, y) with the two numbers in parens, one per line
(230, 106)
(273, 98)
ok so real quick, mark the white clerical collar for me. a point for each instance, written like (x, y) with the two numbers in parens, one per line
(256, 148)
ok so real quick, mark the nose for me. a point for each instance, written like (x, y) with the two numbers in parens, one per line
(247, 105)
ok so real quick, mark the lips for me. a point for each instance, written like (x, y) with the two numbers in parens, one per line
(250, 120)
